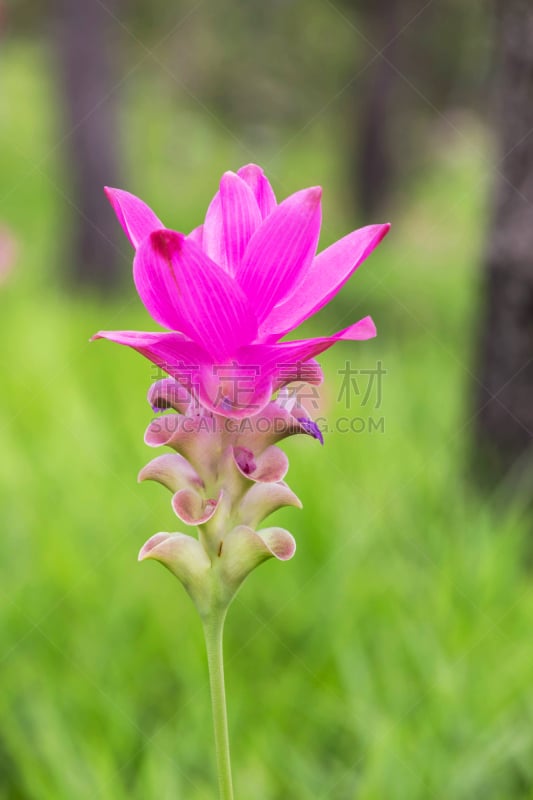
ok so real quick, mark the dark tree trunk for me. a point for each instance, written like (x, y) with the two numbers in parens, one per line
(373, 150)
(504, 422)
(86, 47)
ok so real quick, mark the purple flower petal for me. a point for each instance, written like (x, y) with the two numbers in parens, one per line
(281, 250)
(311, 428)
(137, 219)
(327, 275)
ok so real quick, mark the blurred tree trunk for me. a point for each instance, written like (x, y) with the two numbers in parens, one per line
(373, 163)
(86, 49)
(504, 403)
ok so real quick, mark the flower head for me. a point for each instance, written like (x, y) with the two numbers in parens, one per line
(231, 289)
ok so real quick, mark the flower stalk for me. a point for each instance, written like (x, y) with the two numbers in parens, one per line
(214, 633)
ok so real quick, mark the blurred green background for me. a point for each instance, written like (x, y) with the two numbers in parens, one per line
(392, 657)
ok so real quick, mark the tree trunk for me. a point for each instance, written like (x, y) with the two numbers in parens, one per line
(504, 402)
(86, 48)
(374, 102)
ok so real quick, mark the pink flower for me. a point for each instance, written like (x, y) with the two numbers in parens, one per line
(230, 290)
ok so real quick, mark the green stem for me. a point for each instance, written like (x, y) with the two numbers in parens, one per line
(214, 631)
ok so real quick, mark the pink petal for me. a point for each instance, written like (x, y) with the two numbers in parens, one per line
(172, 471)
(240, 218)
(232, 390)
(273, 423)
(184, 290)
(262, 499)
(281, 250)
(231, 219)
(196, 235)
(172, 352)
(168, 393)
(192, 508)
(260, 186)
(243, 550)
(279, 542)
(270, 466)
(287, 361)
(327, 275)
(235, 390)
(197, 439)
(299, 372)
(137, 219)
(213, 231)
(157, 285)
(184, 556)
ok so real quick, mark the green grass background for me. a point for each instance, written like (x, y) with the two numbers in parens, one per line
(392, 657)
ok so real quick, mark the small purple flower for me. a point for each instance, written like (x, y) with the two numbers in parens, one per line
(228, 292)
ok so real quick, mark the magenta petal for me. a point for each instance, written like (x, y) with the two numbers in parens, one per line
(281, 250)
(327, 275)
(173, 352)
(231, 219)
(240, 217)
(197, 235)
(213, 232)
(184, 360)
(260, 186)
(299, 372)
(179, 284)
(287, 361)
(234, 389)
(157, 284)
(137, 219)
